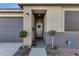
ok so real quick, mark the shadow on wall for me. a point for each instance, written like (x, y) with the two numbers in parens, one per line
(61, 38)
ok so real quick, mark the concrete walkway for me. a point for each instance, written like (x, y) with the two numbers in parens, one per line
(38, 52)
(40, 44)
(9, 49)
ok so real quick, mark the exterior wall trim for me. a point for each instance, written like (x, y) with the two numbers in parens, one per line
(11, 15)
(1, 11)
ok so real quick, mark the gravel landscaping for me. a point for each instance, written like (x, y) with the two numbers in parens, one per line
(22, 51)
(62, 52)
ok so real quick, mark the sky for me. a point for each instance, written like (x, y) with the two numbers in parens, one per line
(8, 5)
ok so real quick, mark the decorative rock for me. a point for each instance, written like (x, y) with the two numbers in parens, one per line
(22, 51)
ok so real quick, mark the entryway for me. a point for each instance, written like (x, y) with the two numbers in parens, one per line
(38, 27)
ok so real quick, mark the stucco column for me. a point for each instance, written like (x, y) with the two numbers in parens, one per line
(27, 27)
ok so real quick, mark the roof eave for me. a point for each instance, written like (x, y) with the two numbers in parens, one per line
(21, 6)
(36, 4)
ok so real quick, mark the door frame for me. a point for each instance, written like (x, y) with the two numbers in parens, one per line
(43, 21)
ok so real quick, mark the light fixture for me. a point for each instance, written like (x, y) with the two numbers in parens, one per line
(39, 15)
(27, 14)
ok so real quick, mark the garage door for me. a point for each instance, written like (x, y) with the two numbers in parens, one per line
(9, 29)
(72, 21)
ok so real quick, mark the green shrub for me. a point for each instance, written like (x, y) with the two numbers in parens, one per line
(52, 33)
(22, 34)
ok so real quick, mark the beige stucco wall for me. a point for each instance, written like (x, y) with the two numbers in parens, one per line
(53, 22)
(27, 25)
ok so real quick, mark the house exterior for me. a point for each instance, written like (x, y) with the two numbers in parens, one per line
(54, 17)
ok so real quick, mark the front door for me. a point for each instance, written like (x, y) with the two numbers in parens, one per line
(38, 23)
(39, 28)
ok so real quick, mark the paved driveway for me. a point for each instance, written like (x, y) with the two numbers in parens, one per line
(9, 49)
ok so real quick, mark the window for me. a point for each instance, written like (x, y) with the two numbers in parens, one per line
(71, 20)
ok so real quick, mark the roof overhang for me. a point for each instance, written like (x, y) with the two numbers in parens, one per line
(47, 4)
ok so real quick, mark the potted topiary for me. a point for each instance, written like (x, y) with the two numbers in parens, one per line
(23, 34)
(52, 34)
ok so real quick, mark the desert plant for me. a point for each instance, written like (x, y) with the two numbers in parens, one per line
(23, 34)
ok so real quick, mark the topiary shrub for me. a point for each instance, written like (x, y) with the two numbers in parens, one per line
(23, 34)
(52, 33)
